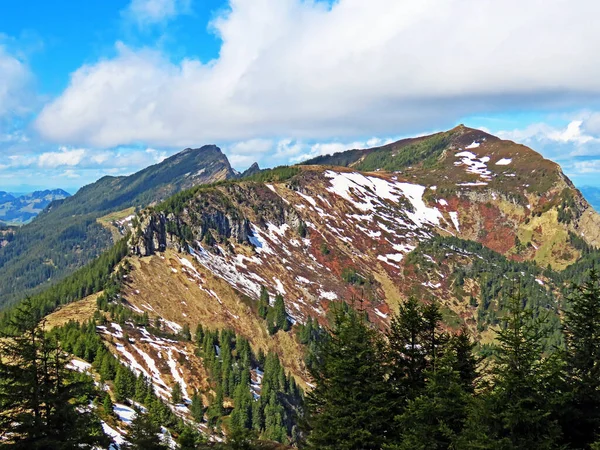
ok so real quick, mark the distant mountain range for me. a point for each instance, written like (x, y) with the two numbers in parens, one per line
(20, 209)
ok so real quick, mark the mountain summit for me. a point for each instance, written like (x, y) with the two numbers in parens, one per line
(69, 233)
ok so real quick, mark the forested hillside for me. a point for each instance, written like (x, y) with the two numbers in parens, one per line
(67, 234)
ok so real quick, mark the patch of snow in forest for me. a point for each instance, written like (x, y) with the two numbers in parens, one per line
(380, 314)
(124, 413)
(327, 295)
(176, 374)
(454, 217)
(79, 366)
(504, 162)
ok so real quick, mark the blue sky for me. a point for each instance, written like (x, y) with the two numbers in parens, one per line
(109, 87)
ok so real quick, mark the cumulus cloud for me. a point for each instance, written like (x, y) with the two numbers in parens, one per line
(15, 84)
(64, 157)
(272, 152)
(313, 70)
(149, 12)
(558, 142)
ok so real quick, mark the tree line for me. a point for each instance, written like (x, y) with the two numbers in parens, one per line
(419, 387)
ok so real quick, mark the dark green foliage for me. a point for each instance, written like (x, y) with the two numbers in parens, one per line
(465, 362)
(275, 316)
(310, 335)
(343, 159)
(124, 385)
(197, 408)
(581, 327)
(279, 314)
(85, 281)
(231, 369)
(278, 174)
(190, 439)
(496, 276)
(518, 405)
(144, 434)
(176, 394)
(348, 408)
(263, 302)
(435, 419)
(351, 276)
(425, 151)
(42, 404)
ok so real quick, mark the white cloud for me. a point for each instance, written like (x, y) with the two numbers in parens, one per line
(64, 157)
(70, 173)
(15, 84)
(148, 12)
(309, 70)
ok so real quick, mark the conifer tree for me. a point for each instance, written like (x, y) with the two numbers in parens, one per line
(581, 327)
(349, 406)
(42, 403)
(435, 419)
(516, 412)
(241, 417)
(176, 394)
(107, 405)
(465, 362)
(263, 302)
(124, 388)
(189, 439)
(280, 316)
(199, 335)
(274, 420)
(144, 434)
(197, 407)
(215, 410)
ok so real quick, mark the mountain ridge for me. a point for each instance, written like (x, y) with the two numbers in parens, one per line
(66, 235)
(21, 209)
(454, 218)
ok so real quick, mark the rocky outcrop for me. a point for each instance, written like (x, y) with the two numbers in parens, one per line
(253, 169)
(150, 236)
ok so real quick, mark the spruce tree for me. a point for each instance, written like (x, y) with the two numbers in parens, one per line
(176, 394)
(435, 419)
(42, 403)
(122, 384)
(241, 417)
(197, 407)
(108, 406)
(581, 327)
(263, 302)
(189, 439)
(281, 320)
(144, 434)
(349, 407)
(516, 411)
(465, 362)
